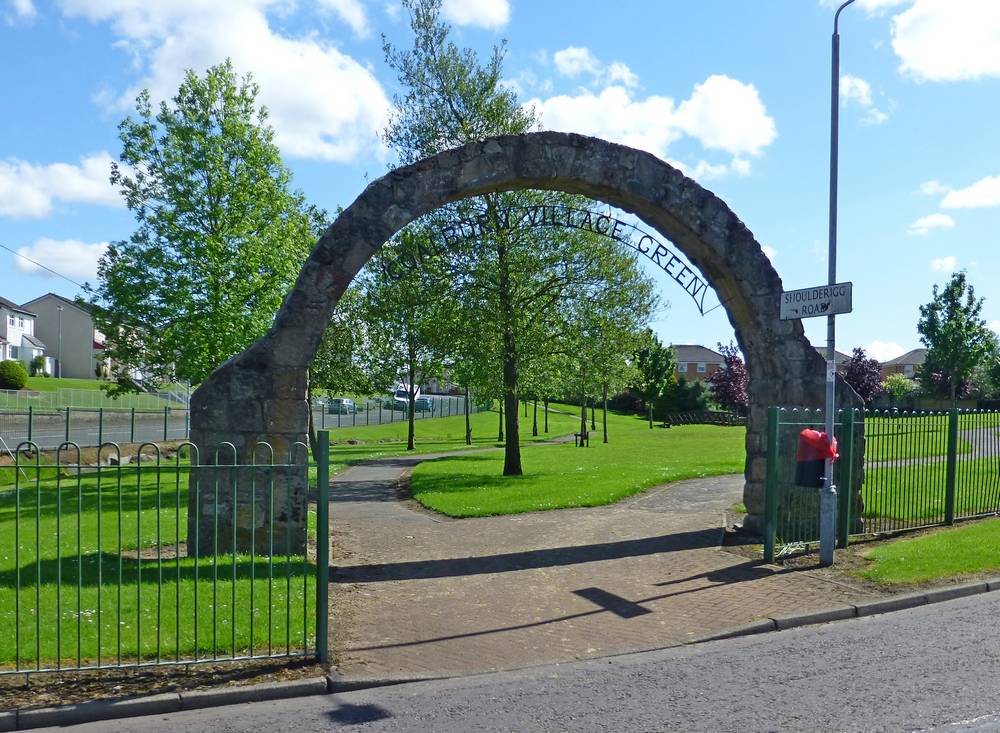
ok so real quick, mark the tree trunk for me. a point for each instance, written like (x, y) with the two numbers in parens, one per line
(509, 360)
(500, 429)
(411, 401)
(468, 423)
(953, 386)
(604, 417)
(593, 421)
(534, 420)
(512, 448)
(546, 410)
(583, 418)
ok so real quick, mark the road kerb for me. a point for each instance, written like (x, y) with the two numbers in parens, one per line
(836, 613)
(895, 603)
(236, 695)
(335, 683)
(956, 591)
(89, 712)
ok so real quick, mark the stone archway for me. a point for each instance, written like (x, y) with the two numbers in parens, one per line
(261, 393)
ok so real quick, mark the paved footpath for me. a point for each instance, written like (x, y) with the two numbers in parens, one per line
(418, 595)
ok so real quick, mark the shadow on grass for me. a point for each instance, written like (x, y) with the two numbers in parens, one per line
(526, 560)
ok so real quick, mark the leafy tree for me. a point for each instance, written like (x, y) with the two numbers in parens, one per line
(220, 236)
(897, 386)
(685, 396)
(655, 365)
(730, 385)
(958, 340)
(864, 375)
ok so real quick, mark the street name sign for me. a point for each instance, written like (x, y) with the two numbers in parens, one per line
(823, 300)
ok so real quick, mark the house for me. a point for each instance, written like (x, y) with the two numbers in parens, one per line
(839, 357)
(68, 329)
(908, 364)
(696, 362)
(18, 339)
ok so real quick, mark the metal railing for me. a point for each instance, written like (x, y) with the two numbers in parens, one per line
(94, 398)
(384, 411)
(89, 427)
(920, 469)
(97, 569)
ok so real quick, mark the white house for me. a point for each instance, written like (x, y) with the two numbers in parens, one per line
(17, 334)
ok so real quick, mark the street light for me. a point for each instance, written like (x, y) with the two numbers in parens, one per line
(59, 347)
(828, 499)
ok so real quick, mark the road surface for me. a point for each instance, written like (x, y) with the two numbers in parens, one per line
(935, 667)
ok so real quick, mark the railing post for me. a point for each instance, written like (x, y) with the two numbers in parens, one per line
(100, 426)
(67, 424)
(771, 485)
(323, 546)
(950, 479)
(845, 498)
(30, 418)
(166, 413)
(131, 438)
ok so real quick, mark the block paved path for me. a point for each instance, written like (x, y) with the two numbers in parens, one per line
(415, 594)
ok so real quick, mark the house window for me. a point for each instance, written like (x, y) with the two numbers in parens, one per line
(11, 319)
(20, 322)
(907, 370)
(701, 367)
(13, 352)
(682, 367)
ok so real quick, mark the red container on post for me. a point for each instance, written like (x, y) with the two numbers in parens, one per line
(810, 457)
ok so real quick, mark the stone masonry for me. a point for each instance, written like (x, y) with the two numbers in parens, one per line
(260, 395)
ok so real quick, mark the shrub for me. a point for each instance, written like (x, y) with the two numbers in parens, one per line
(13, 375)
(38, 367)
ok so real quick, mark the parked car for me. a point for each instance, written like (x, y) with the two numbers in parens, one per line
(341, 406)
(423, 404)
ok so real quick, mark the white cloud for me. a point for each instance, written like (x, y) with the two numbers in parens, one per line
(28, 190)
(619, 72)
(938, 40)
(481, 13)
(933, 188)
(721, 113)
(69, 257)
(394, 10)
(995, 326)
(726, 114)
(22, 10)
(352, 13)
(926, 224)
(884, 350)
(854, 89)
(323, 103)
(944, 264)
(575, 60)
(983, 193)
(769, 252)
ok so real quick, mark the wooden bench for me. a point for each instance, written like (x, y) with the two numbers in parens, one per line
(580, 439)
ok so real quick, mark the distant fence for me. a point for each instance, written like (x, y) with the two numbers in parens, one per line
(92, 426)
(95, 570)
(921, 469)
(704, 417)
(66, 397)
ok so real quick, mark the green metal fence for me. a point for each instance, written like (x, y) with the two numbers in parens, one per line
(921, 469)
(91, 427)
(94, 569)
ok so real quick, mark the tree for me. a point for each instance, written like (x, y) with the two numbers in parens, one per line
(864, 375)
(730, 384)
(655, 365)
(897, 386)
(220, 236)
(957, 338)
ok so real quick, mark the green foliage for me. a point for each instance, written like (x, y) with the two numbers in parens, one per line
(655, 365)
(220, 236)
(37, 367)
(957, 338)
(685, 396)
(13, 375)
(898, 386)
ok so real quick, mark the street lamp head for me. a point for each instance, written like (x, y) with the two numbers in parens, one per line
(836, 17)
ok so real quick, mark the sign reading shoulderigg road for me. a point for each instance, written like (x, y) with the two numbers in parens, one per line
(823, 300)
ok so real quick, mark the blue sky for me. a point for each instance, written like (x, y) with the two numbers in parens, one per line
(734, 92)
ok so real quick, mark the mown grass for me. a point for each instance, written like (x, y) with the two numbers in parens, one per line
(435, 435)
(80, 576)
(945, 553)
(562, 476)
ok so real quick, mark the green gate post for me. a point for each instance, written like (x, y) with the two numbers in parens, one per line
(132, 433)
(100, 426)
(949, 487)
(771, 487)
(30, 416)
(166, 412)
(323, 547)
(845, 498)
(67, 424)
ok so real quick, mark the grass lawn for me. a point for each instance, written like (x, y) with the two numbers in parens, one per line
(88, 577)
(955, 551)
(561, 476)
(435, 435)
(51, 384)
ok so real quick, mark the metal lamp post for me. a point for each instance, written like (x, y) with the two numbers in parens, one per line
(828, 498)
(59, 347)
